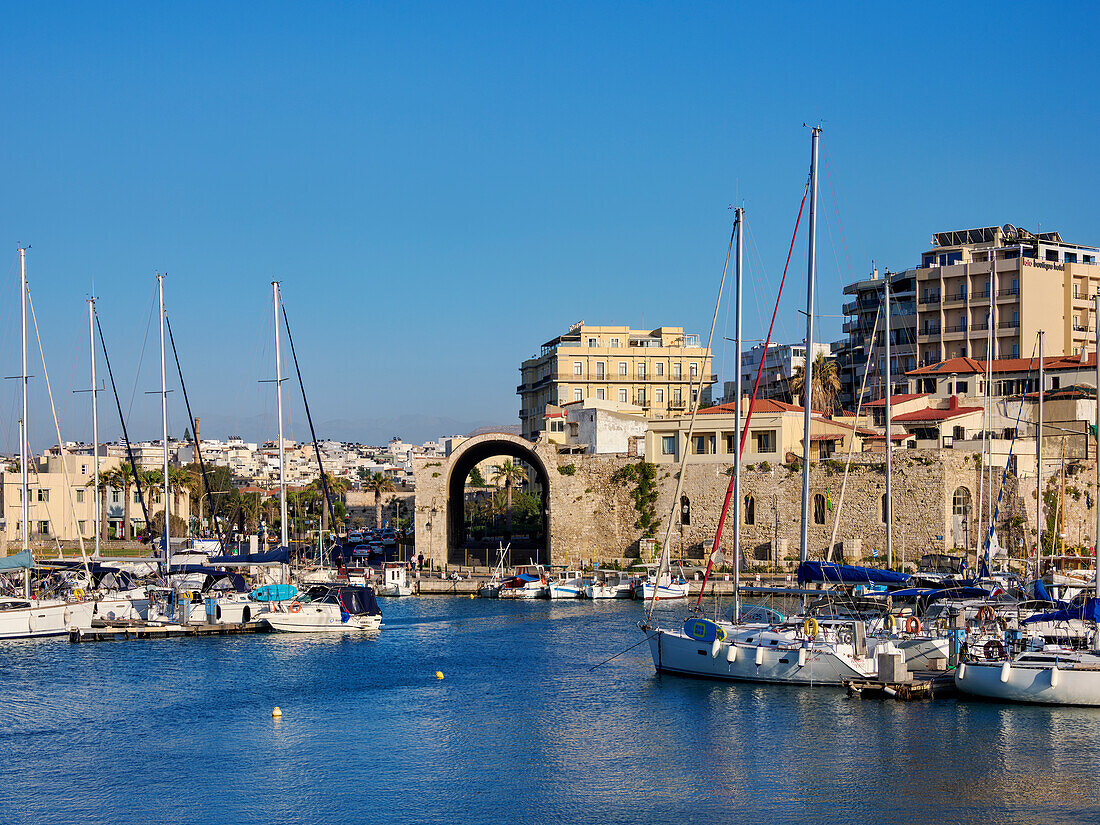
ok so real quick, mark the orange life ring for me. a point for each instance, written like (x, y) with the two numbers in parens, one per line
(912, 625)
(295, 607)
(986, 614)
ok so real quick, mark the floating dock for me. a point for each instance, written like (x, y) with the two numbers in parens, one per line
(925, 684)
(123, 632)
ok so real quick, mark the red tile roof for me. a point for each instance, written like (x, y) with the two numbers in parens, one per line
(931, 414)
(763, 405)
(972, 366)
(897, 398)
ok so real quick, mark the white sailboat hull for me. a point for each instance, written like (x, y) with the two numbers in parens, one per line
(1030, 684)
(43, 617)
(665, 591)
(673, 652)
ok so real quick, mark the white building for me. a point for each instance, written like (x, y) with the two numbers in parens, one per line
(780, 363)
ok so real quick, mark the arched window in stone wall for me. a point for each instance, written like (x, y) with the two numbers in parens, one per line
(819, 509)
(750, 509)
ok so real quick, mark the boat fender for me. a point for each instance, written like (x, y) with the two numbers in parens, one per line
(32, 623)
(994, 650)
(716, 648)
(67, 616)
(912, 625)
(1006, 669)
(295, 607)
(961, 672)
(1055, 676)
(986, 614)
(731, 654)
(802, 655)
(889, 623)
(759, 655)
(810, 627)
(78, 594)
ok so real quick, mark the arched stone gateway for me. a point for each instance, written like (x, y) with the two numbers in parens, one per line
(440, 489)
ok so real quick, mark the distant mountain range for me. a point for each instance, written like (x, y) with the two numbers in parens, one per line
(415, 428)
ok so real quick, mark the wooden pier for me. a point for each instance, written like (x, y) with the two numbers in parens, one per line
(925, 684)
(122, 632)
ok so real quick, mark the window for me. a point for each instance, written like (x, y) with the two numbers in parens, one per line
(79, 496)
(82, 527)
(659, 395)
(750, 510)
(592, 342)
(601, 394)
(703, 444)
(641, 397)
(577, 368)
(137, 498)
(677, 398)
(884, 509)
(676, 371)
(43, 494)
(84, 469)
(659, 369)
(622, 396)
(114, 496)
(1052, 255)
(729, 443)
(668, 445)
(962, 387)
(622, 368)
(959, 433)
(557, 426)
(1071, 258)
(764, 441)
(601, 370)
(1075, 295)
(641, 370)
(694, 396)
(1055, 383)
(44, 528)
(615, 342)
(819, 509)
(578, 394)
(693, 370)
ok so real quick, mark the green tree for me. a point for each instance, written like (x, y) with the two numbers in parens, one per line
(379, 483)
(509, 474)
(476, 479)
(826, 388)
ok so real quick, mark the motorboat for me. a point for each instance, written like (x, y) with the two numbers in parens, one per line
(617, 585)
(529, 582)
(569, 584)
(336, 609)
(664, 588)
(395, 580)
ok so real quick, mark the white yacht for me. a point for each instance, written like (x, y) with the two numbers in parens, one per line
(326, 610)
(1050, 676)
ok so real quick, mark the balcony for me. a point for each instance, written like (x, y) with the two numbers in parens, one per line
(1011, 292)
(955, 297)
(929, 329)
(932, 298)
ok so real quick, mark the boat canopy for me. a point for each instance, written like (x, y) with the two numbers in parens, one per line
(219, 577)
(358, 601)
(20, 561)
(822, 571)
(1089, 611)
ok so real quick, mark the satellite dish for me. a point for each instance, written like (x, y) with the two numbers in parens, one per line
(1010, 231)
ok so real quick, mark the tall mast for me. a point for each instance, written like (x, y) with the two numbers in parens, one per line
(1039, 473)
(164, 423)
(1096, 458)
(95, 428)
(740, 212)
(889, 441)
(24, 452)
(279, 396)
(808, 370)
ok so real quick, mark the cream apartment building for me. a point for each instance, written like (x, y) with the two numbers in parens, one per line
(655, 370)
(1039, 282)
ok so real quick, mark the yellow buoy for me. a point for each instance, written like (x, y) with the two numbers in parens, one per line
(439, 674)
(473, 596)
(277, 712)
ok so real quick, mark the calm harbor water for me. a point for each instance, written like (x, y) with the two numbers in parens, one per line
(519, 730)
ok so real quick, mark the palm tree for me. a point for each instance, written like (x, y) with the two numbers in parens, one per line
(826, 388)
(107, 479)
(337, 487)
(510, 474)
(379, 483)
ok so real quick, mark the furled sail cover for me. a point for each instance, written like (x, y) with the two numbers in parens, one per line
(821, 571)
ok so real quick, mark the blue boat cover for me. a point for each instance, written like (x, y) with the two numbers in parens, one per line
(279, 555)
(1089, 611)
(20, 561)
(1040, 591)
(527, 577)
(820, 571)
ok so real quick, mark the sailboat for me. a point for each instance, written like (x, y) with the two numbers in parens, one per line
(31, 616)
(1022, 670)
(809, 651)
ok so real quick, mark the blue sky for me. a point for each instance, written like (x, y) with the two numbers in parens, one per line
(441, 187)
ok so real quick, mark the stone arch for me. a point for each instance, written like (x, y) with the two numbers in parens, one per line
(467, 456)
